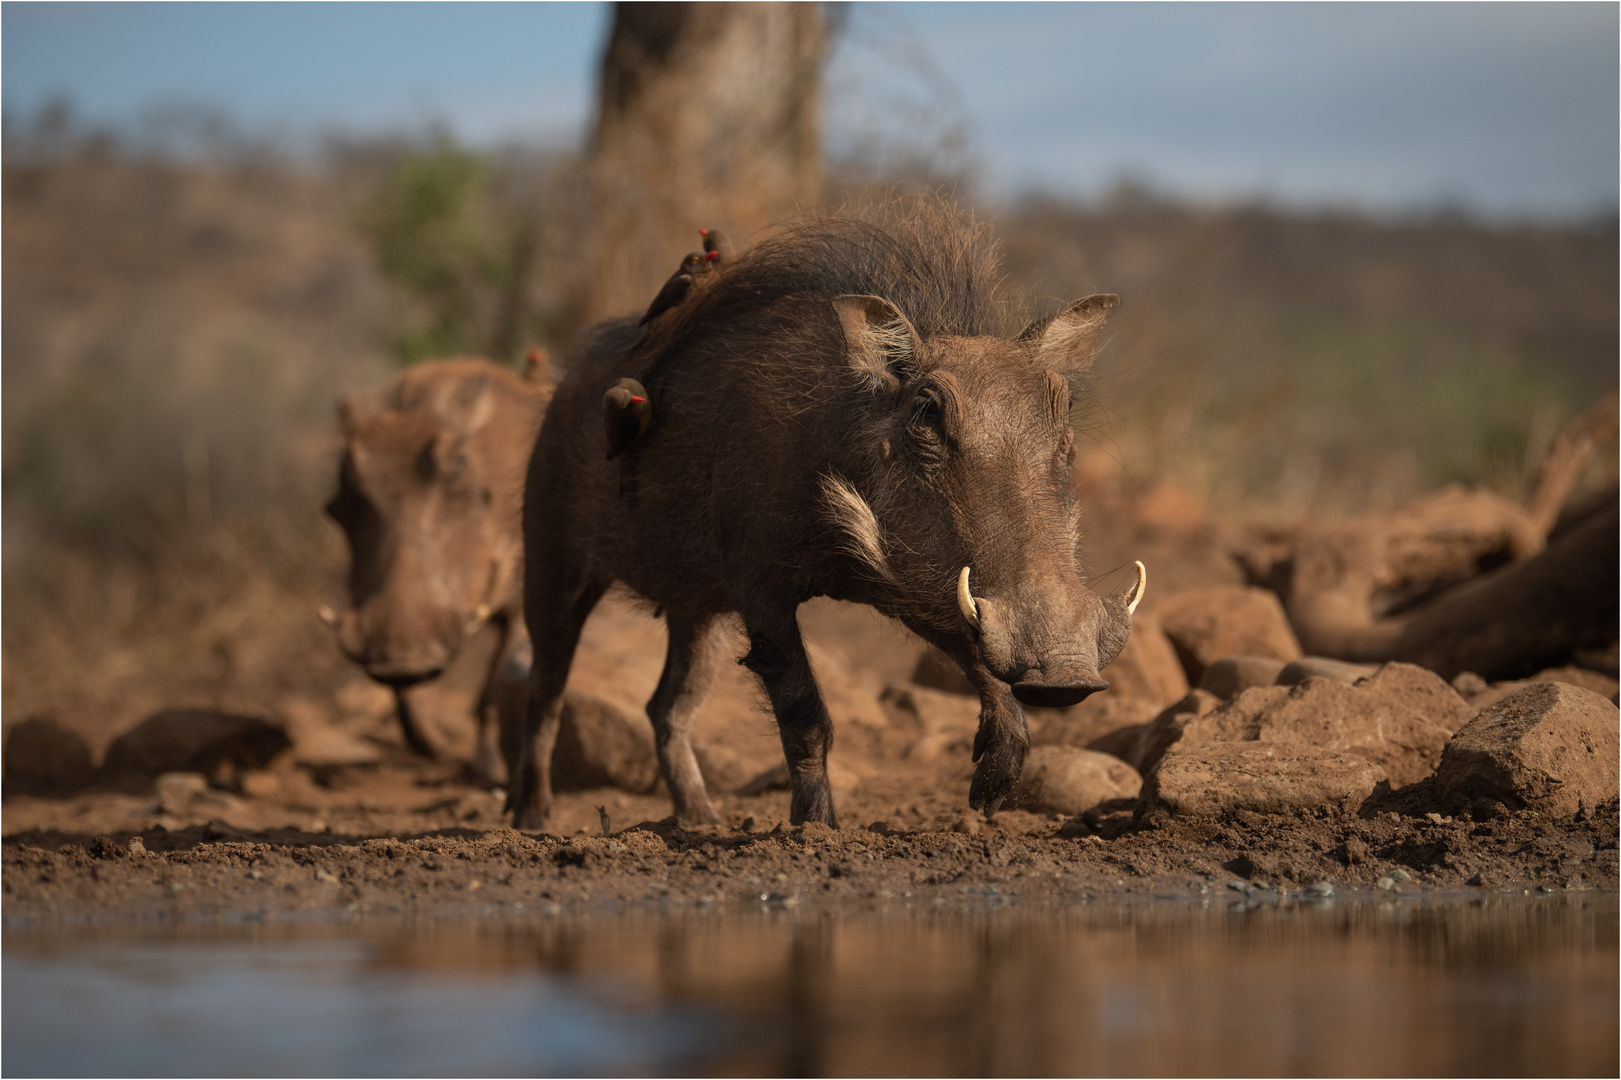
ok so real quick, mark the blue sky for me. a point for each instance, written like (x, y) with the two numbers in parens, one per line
(1508, 109)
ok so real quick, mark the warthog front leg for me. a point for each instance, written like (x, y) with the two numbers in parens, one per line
(777, 655)
(999, 744)
(688, 670)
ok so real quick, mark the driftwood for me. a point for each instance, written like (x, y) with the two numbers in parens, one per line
(1459, 580)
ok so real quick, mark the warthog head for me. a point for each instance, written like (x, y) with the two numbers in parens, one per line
(956, 496)
(429, 491)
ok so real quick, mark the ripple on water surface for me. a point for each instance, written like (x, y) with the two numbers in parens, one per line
(1477, 986)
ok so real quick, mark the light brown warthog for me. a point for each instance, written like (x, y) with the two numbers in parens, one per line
(833, 417)
(429, 490)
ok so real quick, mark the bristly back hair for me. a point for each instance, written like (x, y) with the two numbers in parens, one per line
(929, 258)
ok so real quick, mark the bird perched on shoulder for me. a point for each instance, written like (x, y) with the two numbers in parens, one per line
(627, 412)
(717, 246)
(675, 290)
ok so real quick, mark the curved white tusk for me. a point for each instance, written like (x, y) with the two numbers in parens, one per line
(1137, 593)
(965, 600)
(327, 615)
(481, 615)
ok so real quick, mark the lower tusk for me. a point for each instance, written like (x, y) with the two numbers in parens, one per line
(482, 612)
(965, 600)
(327, 615)
(1137, 592)
(481, 615)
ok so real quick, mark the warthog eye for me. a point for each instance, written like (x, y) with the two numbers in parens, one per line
(926, 409)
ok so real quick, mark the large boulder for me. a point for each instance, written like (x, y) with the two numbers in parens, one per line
(1204, 625)
(1165, 730)
(1329, 716)
(1420, 690)
(1550, 747)
(190, 740)
(44, 758)
(1278, 778)
(1071, 781)
(599, 745)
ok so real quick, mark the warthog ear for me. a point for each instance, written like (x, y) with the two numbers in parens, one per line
(354, 412)
(1065, 339)
(880, 341)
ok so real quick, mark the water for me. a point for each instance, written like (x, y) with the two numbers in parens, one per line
(1479, 986)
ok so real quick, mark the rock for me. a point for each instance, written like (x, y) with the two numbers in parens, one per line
(1165, 729)
(1469, 685)
(1080, 725)
(1298, 671)
(1216, 778)
(44, 758)
(937, 671)
(1231, 675)
(598, 745)
(1550, 747)
(190, 740)
(177, 790)
(1204, 625)
(1070, 781)
(723, 769)
(1333, 717)
(1121, 743)
(1147, 667)
(945, 722)
(1422, 691)
(1602, 685)
(847, 701)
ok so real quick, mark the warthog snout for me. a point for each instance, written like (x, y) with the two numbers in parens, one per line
(1057, 695)
(392, 657)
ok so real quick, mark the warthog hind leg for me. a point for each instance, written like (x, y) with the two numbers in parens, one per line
(999, 744)
(777, 655)
(688, 670)
(554, 627)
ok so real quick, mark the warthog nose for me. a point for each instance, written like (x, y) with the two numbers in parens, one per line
(1057, 695)
(399, 680)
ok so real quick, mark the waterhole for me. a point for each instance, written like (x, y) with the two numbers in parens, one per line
(1472, 985)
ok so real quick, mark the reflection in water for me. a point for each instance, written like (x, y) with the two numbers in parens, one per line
(1473, 987)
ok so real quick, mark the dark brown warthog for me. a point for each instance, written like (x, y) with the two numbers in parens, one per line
(429, 491)
(833, 417)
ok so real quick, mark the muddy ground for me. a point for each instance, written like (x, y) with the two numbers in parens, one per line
(349, 821)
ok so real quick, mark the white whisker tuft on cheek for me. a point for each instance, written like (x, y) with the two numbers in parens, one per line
(853, 515)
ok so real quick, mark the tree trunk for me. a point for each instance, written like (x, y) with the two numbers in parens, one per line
(708, 117)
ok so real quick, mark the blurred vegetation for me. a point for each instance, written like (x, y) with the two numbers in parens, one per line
(456, 233)
(179, 326)
(1327, 363)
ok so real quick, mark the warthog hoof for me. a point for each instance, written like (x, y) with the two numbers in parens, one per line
(1001, 759)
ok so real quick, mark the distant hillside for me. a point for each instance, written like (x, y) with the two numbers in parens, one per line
(1330, 362)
